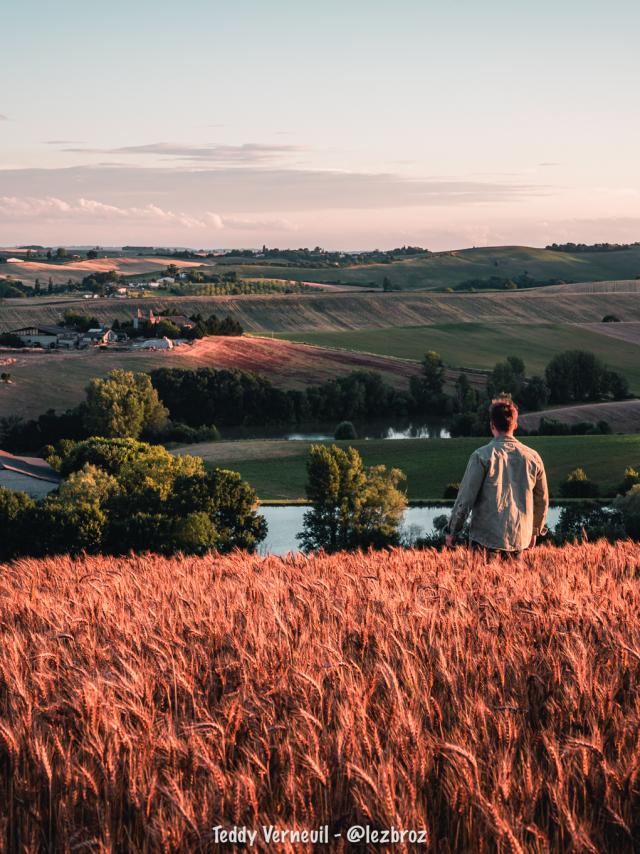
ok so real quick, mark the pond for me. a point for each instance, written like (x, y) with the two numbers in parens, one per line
(433, 428)
(285, 522)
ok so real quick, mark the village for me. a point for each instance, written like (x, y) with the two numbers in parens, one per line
(146, 331)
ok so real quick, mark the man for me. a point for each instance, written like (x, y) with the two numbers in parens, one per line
(505, 489)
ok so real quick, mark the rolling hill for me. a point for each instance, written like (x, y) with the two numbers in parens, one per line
(439, 270)
(335, 311)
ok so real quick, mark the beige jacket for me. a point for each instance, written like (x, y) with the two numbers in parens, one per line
(505, 489)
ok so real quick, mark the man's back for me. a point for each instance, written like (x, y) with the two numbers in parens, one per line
(505, 488)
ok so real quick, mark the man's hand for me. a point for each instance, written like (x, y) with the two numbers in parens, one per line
(449, 540)
(534, 539)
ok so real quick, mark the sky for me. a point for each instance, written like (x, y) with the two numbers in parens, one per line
(357, 124)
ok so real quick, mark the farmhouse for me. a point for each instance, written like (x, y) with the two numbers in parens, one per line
(40, 336)
(96, 337)
(27, 474)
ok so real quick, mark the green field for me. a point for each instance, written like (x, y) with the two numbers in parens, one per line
(481, 345)
(276, 469)
(448, 269)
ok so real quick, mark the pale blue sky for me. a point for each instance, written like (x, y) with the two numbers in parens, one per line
(348, 124)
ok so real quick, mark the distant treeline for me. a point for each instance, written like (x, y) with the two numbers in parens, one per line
(591, 247)
(316, 257)
(233, 397)
(506, 283)
(197, 400)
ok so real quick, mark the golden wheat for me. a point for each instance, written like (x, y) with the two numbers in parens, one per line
(145, 700)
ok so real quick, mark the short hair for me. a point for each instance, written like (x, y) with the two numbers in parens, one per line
(503, 414)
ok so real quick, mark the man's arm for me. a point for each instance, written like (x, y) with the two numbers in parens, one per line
(467, 494)
(540, 503)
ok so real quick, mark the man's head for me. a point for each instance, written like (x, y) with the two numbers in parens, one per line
(503, 416)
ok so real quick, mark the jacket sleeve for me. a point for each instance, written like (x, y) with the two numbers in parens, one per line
(540, 503)
(467, 494)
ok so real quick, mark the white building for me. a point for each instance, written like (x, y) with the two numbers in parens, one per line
(27, 474)
(155, 344)
(40, 336)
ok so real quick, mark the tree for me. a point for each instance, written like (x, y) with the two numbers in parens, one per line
(126, 495)
(5, 377)
(353, 506)
(92, 254)
(534, 395)
(578, 485)
(576, 376)
(14, 508)
(123, 404)
(631, 479)
(507, 378)
(629, 506)
(345, 430)
(427, 388)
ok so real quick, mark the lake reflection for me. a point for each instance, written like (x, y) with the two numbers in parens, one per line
(286, 521)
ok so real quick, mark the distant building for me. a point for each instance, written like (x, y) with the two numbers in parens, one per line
(27, 474)
(155, 344)
(96, 337)
(40, 336)
(179, 320)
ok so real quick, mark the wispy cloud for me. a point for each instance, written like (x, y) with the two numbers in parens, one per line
(3, 118)
(256, 189)
(63, 142)
(248, 153)
(51, 208)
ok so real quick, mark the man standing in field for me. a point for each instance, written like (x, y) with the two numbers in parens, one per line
(505, 489)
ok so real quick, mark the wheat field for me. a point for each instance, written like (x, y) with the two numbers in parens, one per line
(144, 700)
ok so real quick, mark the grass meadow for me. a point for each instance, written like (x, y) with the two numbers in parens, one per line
(146, 700)
(481, 345)
(277, 469)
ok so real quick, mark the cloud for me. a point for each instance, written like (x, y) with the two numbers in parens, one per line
(50, 208)
(3, 118)
(256, 190)
(549, 163)
(62, 141)
(250, 153)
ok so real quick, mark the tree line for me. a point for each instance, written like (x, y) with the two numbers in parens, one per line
(119, 495)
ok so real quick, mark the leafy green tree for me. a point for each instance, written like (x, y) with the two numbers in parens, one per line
(123, 404)
(345, 430)
(64, 528)
(427, 388)
(629, 506)
(578, 485)
(577, 375)
(631, 479)
(534, 395)
(14, 510)
(90, 485)
(467, 398)
(507, 378)
(353, 506)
